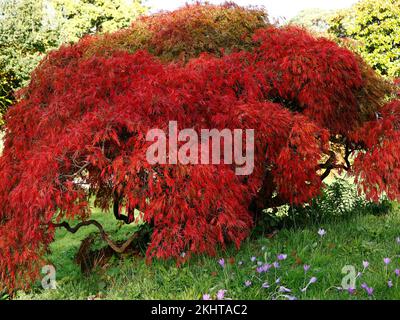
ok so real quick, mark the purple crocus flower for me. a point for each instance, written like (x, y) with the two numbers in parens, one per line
(221, 262)
(221, 294)
(266, 267)
(312, 280)
(284, 289)
(206, 296)
(260, 269)
(306, 267)
(276, 265)
(253, 259)
(291, 298)
(282, 256)
(364, 286)
(386, 261)
(365, 264)
(369, 290)
(390, 283)
(278, 280)
(351, 290)
(397, 272)
(247, 283)
(321, 232)
(265, 285)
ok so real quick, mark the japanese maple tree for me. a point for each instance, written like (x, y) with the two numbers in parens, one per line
(78, 132)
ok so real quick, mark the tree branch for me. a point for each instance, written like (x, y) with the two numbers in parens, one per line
(330, 164)
(347, 154)
(103, 234)
(78, 172)
(129, 218)
(118, 215)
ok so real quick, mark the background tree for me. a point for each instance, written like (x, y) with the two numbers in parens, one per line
(375, 26)
(80, 18)
(316, 20)
(26, 34)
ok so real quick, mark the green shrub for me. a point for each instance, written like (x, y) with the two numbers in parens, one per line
(339, 200)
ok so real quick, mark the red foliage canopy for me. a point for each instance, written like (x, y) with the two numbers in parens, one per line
(78, 132)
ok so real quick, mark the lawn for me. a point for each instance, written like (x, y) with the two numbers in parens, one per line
(362, 236)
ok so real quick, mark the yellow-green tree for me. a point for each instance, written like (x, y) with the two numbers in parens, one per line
(79, 18)
(375, 26)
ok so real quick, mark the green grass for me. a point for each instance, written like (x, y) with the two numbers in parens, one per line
(348, 241)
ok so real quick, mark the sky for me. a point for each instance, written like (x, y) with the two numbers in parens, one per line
(279, 9)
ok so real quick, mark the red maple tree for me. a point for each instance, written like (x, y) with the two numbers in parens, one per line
(78, 131)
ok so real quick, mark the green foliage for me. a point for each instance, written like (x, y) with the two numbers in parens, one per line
(26, 34)
(375, 26)
(341, 22)
(8, 82)
(79, 18)
(338, 199)
(4, 296)
(382, 208)
(316, 20)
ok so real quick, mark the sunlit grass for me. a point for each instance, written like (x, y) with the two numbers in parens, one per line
(350, 241)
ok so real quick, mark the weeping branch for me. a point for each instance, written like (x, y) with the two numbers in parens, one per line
(103, 234)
